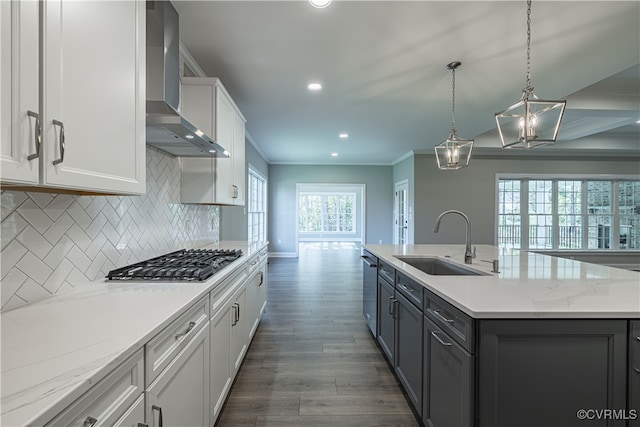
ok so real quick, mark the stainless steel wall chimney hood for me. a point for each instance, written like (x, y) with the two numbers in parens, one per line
(167, 130)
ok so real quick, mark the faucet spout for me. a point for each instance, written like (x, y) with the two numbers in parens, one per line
(468, 255)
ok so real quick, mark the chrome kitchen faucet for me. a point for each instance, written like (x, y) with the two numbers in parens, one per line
(468, 255)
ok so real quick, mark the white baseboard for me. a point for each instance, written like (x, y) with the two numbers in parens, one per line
(282, 255)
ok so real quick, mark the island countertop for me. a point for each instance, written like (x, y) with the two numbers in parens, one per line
(529, 285)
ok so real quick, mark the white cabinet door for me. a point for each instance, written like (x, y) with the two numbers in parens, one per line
(239, 172)
(93, 95)
(239, 342)
(221, 373)
(253, 309)
(221, 180)
(224, 137)
(262, 288)
(19, 91)
(180, 394)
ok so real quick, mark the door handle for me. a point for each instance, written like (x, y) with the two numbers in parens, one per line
(38, 135)
(440, 315)
(159, 409)
(61, 141)
(440, 340)
(189, 328)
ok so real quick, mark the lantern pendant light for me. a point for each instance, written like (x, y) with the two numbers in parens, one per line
(531, 122)
(453, 153)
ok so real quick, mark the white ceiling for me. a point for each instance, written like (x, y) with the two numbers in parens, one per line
(382, 65)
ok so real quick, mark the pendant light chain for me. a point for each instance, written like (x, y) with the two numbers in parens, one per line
(528, 88)
(453, 101)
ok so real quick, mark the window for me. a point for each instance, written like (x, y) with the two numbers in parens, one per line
(326, 212)
(257, 207)
(568, 214)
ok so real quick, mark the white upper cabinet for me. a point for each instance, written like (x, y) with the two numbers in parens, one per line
(19, 91)
(206, 103)
(92, 98)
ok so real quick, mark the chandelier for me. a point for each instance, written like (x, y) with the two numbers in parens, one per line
(531, 122)
(453, 153)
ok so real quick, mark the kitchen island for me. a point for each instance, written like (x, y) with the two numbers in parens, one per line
(57, 352)
(531, 345)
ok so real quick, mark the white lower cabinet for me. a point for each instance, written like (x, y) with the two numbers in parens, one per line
(228, 339)
(221, 371)
(180, 394)
(110, 399)
(256, 295)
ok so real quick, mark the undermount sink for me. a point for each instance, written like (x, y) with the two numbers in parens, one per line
(439, 266)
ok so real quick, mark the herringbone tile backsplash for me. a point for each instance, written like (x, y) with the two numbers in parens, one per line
(53, 242)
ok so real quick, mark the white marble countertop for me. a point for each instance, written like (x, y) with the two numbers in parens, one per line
(529, 285)
(56, 349)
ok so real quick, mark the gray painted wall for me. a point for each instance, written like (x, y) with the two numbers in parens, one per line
(401, 171)
(233, 219)
(472, 191)
(282, 199)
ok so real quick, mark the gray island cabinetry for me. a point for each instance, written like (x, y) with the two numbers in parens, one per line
(469, 351)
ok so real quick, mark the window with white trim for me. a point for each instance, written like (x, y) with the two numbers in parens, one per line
(568, 213)
(321, 212)
(257, 207)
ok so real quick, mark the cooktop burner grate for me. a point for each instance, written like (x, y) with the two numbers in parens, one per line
(192, 264)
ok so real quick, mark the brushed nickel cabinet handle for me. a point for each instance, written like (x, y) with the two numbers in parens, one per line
(440, 315)
(62, 142)
(38, 135)
(390, 306)
(189, 328)
(440, 340)
(159, 409)
(405, 288)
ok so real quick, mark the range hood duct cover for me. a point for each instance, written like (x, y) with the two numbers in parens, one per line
(167, 130)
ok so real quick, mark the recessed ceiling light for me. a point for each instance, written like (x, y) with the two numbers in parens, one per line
(314, 86)
(320, 4)
(189, 136)
(334, 154)
(344, 135)
(637, 121)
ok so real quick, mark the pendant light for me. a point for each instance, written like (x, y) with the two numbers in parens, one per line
(453, 153)
(531, 122)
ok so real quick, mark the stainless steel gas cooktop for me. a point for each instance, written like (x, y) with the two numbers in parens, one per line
(182, 265)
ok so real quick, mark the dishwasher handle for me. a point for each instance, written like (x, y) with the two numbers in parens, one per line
(368, 261)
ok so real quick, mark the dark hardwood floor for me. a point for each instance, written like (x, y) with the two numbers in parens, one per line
(313, 361)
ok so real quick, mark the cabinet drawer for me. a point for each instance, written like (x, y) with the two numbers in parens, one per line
(225, 291)
(452, 321)
(109, 399)
(387, 272)
(410, 289)
(253, 262)
(162, 348)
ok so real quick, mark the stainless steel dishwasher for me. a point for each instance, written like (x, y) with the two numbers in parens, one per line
(369, 289)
